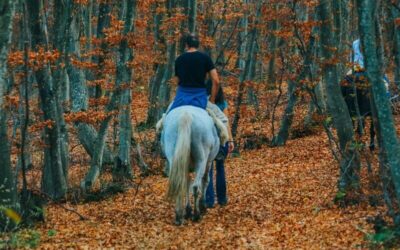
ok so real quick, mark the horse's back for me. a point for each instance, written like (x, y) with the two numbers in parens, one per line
(201, 121)
(203, 132)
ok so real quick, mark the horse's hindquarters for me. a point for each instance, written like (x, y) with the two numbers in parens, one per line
(189, 138)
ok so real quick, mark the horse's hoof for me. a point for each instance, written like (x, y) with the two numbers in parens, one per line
(188, 213)
(178, 222)
(178, 218)
(196, 217)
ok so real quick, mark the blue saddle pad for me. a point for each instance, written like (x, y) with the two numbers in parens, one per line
(190, 96)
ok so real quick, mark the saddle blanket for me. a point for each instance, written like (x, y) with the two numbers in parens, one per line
(190, 96)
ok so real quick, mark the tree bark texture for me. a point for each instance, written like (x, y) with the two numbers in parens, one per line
(337, 108)
(159, 87)
(8, 191)
(367, 11)
(54, 181)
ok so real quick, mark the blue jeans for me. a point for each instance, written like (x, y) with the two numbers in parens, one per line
(220, 182)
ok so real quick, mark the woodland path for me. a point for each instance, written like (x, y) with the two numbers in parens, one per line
(278, 198)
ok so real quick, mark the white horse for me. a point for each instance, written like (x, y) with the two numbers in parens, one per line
(190, 142)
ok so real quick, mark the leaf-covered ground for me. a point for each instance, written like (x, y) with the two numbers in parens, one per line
(278, 198)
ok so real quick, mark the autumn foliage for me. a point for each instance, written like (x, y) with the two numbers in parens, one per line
(77, 103)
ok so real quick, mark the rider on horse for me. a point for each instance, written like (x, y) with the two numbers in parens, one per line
(191, 70)
(356, 92)
(358, 71)
(189, 139)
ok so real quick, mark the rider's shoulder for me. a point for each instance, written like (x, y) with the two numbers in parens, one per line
(192, 55)
(203, 53)
(181, 58)
(195, 53)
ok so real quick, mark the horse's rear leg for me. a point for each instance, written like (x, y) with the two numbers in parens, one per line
(196, 194)
(197, 190)
(206, 181)
(188, 213)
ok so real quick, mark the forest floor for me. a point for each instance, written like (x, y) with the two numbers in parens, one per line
(278, 198)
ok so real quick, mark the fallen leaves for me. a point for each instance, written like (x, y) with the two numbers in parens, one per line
(278, 198)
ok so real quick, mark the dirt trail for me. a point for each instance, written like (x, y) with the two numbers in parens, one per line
(278, 198)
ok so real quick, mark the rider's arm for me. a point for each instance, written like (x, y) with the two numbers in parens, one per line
(215, 84)
(175, 80)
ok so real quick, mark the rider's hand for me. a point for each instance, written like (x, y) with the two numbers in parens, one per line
(231, 146)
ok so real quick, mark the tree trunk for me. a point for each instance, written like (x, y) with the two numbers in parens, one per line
(273, 45)
(339, 25)
(97, 158)
(104, 21)
(63, 19)
(242, 40)
(283, 134)
(79, 95)
(245, 75)
(396, 45)
(337, 108)
(192, 15)
(122, 168)
(374, 66)
(54, 182)
(159, 87)
(211, 27)
(8, 192)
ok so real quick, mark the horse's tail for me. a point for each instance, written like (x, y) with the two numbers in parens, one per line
(178, 178)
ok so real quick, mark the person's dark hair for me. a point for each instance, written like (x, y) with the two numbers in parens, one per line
(192, 41)
(220, 98)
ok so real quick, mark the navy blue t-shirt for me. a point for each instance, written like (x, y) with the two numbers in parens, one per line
(192, 67)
